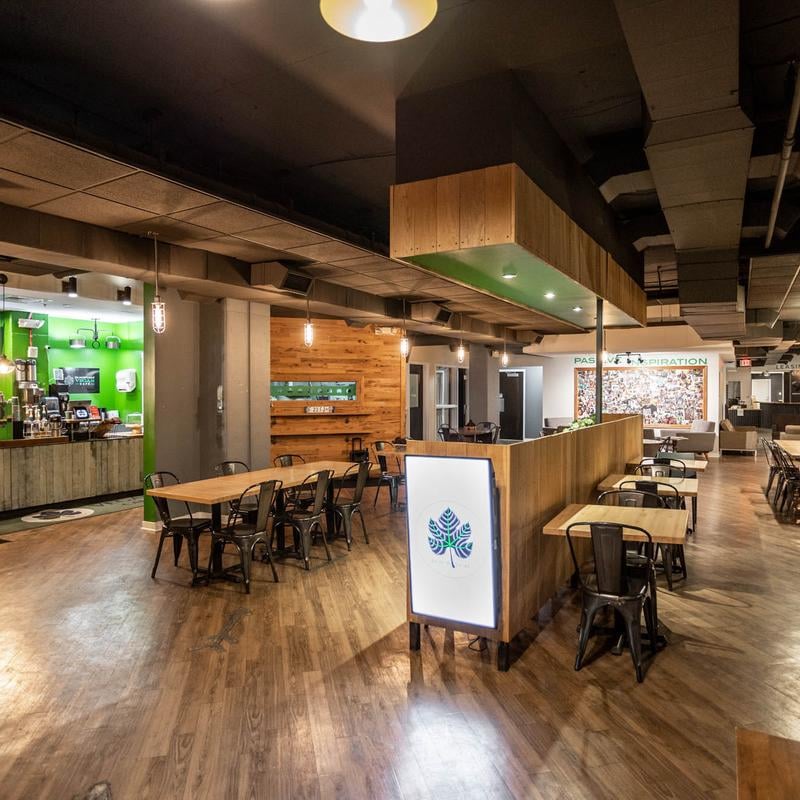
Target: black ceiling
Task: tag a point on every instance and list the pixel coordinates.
(261, 96)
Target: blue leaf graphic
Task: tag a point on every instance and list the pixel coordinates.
(447, 533)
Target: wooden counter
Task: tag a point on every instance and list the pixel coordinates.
(6, 444)
(45, 473)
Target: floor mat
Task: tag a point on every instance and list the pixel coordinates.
(66, 512)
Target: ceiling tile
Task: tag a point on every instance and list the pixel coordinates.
(170, 229)
(95, 210)
(329, 251)
(21, 190)
(61, 164)
(238, 248)
(226, 217)
(151, 193)
(365, 263)
(285, 236)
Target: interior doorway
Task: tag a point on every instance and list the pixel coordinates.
(512, 404)
(416, 406)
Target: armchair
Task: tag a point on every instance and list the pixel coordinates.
(700, 438)
(741, 439)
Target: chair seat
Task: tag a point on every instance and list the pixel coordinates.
(179, 524)
(243, 531)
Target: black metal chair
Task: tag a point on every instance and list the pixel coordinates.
(243, 536)
(628, 590)
(175, 528)
(394, 479)
(487, 432)
(288, 460)
(772, 462)
(305, 521)
(670, 553)
(344, 507)
(244, 507)
(448, 434)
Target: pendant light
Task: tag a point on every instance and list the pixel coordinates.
(124, 296)
(378, 20)
(158, 309)
(405, 345)
(6, 364)
(461, 353)
(69, 287)
(308, 328)
(504, 357)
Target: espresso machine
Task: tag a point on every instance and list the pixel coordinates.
(27, 384)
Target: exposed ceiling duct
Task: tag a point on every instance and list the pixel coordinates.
(698, 145)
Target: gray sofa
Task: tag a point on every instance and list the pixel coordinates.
(700, 438)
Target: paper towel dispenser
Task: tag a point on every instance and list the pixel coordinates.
(126, 380)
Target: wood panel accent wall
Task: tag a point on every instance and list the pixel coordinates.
(502, 205)
(55, 473)
(339, 353)
(537, 479)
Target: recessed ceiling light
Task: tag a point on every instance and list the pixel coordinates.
(509, 272)
(549, 295)
(577, 308)
(378, 20)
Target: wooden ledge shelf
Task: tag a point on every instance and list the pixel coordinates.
(296, 415)
(298, 434)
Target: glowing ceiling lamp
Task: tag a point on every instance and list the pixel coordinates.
(504, 357)
(158, 309)
(308, 327)
(461, 353)
(405, 344)
(378, 20)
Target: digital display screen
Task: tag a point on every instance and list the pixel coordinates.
(453, 555)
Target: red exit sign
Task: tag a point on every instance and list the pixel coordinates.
(745, 362)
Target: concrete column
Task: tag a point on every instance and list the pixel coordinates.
(484, 385)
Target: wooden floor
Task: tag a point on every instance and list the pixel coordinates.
(307, 689)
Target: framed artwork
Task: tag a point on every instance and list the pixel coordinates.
(662, 395)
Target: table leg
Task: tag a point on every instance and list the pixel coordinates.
(216, 526)
(280, 530)
(330, 514)
(503, 656)
(413, 636)
(694, 513)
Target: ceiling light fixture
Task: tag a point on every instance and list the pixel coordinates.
(124, 296)
(378, 20)
(405, 345)
(461, 353)
(158, 309)
(576, 309)
(69, 287)
(77, 342)
(549, 295)
(6, 364)
(509, 272)
(504, 357)
(308, 327)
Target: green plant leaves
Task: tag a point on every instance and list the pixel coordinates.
(448, 534)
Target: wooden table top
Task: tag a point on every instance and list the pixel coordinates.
(685, 486)
(767, 767)
(665, 525)
(210, 491)
(791, 446)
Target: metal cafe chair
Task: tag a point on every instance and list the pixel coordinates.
(670, 554)
(307, 521)
(345, 507)
(288, 460)
(628, 590)
(243, 536)
(487, 432)
(244, 507)
(394, 479)
(175, 528)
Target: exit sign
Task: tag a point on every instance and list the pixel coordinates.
(745, 362)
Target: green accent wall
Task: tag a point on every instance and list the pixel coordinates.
(56, 333)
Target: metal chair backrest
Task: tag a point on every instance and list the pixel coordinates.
(381, 448)
(316, 485)
(231, 468)
(659, 469)
(444, 432)
(487, 432)
(288, 460)
(266, 494)
(361, 472)
(609, 555)
(676, 466)
(772, 460)
(658, 489)
(630, 497)
(158, 480)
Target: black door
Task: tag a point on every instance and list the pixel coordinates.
(415, 406)
(512, 404)
(462, 397)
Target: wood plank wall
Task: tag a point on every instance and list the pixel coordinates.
(339, 353)
(46, 474)
(537, 479)
(501, 205)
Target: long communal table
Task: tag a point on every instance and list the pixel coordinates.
(214, 492)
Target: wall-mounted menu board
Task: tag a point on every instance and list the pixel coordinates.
(662, 395)
(313, 390)
(82, 380)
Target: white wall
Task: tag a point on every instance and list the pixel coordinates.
(559, 380)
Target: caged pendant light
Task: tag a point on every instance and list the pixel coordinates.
(308, 327)
(461, 353)
(405, 345)
(158, 309)
(504, 357)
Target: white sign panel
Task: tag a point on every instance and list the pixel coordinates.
(452, 556)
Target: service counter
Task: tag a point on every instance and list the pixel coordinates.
(772, 416)
(535, 481)
(38, 472)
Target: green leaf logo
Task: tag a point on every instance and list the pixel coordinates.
(447, 533)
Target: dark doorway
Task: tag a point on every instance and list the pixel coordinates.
(415, 401)
(462, 397)
(512, 404)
